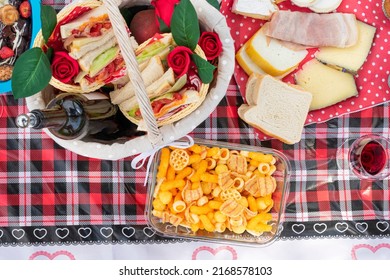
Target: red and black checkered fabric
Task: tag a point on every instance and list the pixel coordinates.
(43, 184)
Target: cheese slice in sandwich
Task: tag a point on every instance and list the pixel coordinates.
(272, 56)
(276, 108)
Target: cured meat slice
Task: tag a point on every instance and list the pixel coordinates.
(314, 30)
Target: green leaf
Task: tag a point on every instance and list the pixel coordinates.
(50, 53)
(31, 73)
(205, 68)
(49, 21)
(214, 3)
(163, 27)
(185, 25)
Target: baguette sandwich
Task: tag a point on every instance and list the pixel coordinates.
(275, 108)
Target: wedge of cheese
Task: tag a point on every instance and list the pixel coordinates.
(274, 57)
(249, 66)
(327, 85)
(352, 58)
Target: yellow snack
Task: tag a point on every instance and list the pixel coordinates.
(239, 184)
(183, 173)
(196, 149)
(264, 168)
(202, 201)
(211, 163)
(165, 197)
(230, 194)
(164, 163)
(237, 163)
(224, 154)
(221, 168)
(194, 227)
(179, 206)
(207, 177)
(231, 208)
(168, 185)
(190, 195)
(158, 205)
(252, 203)
(171, 173)
(195, 158)
(217, 189)
(202, 169)
(219, 217)
(267, 158)
(207, 187)
(225, 181)
(213, 152)
(213, 204)
(207, 223)
(179, 159)
(200, 210)
(220, 227)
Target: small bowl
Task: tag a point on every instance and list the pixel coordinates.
(35, 27)
(282, 175)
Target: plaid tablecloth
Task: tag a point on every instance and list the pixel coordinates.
(48, 194)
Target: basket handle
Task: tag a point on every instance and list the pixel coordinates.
(154, 133)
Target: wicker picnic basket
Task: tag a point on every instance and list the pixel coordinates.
(158, 134)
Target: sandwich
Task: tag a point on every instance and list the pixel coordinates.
(163, 105)
(275, 108)
(91, 41)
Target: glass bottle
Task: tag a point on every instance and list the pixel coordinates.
(73, 116)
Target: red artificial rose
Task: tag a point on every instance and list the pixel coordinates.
(64, 67)
(164, 10)
(210, 44)
(179, 60)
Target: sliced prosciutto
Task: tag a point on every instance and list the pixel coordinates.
(314, 30)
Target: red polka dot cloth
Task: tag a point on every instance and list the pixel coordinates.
(371, 79)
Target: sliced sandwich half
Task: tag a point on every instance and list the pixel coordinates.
(276, 108)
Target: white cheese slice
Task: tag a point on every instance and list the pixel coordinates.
(327, 85)
(261, 9)
(272, 55)
(351, 58)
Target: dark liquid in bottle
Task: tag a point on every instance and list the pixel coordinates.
(373, 157)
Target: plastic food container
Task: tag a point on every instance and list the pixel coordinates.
(281, 174)
(35, 27)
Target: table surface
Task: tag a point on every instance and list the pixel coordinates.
(52, 201)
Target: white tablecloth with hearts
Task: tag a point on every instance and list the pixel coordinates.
(310, 249)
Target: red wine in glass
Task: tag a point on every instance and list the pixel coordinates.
(369, 158)
(373, 157)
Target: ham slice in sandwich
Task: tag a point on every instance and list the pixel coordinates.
(314, 30)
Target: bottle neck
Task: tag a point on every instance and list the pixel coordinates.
(49, 118)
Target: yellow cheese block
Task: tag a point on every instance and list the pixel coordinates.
(273, 56)
(327, 85)
(352, 58)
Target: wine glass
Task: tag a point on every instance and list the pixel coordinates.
(367, 156)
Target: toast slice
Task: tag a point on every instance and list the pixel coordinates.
(276, 109)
